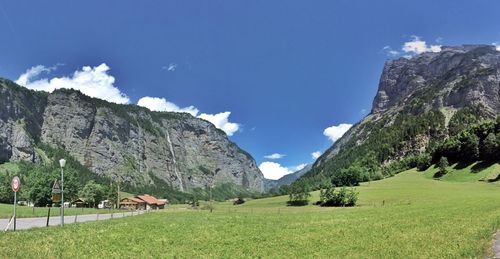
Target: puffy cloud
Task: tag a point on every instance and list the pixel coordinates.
(497, 46)
(275, 156)
(273, 171)
(162, 105)
(299, 167)
(315, 155)
(335, 132)
(221, 121)
(417, 46)
(92, 81)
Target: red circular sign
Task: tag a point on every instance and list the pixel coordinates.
(15, 184)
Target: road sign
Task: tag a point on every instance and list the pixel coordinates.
(15, 184)
(56, 192)
(56, 197)
(56, 188)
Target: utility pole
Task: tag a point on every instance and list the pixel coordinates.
(118, 196)
(62, 163)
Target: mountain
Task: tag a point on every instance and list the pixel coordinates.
(127, 142)
(421, 103)
(286, 179)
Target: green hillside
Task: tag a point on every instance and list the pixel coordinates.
(406, 216)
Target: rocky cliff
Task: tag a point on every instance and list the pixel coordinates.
(416, 101)
(126, 142)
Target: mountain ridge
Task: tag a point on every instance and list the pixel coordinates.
(420, 102)
(122, 141)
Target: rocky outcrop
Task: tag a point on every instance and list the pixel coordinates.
(455, 77)
(442, 82)
(126, 142)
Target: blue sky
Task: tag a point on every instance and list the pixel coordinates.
(273, 74)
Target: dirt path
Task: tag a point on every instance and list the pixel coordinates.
(28, 223)
(496, 245)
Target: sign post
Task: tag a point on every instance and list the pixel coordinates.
(56, 192)
(16, 185)
(56, 197)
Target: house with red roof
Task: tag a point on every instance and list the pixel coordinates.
(142, 202)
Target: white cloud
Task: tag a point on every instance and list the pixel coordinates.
(390, 52)
(171, 67)
(299, 167)
(315, 155)
(418, 46)
(162, 105)
(92, 81)
(273, 171)
(275, 156)
(335, 132)
(497, 46)
(221, 121)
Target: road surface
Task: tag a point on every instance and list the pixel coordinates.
(27, 223)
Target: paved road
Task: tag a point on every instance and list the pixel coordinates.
(27, 223)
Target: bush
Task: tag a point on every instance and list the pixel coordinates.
(299, 195)
(442, 164)
(238, 201)
(423, 162)
(345, 197)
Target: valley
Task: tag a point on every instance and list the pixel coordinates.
(408, 215)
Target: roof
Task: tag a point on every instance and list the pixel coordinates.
(151, 200)
(134, 199)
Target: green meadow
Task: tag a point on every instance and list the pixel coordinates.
(409, 215)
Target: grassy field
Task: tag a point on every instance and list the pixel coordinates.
(467, 173)
(406, 216)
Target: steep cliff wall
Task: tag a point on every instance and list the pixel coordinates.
(415, 102)
(122, 141)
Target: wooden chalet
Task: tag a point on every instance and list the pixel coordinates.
(143, 202)
(132, 203)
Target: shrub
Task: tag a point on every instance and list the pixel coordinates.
(238, 201)
(423, 162)
(442, 164)
(344, 197)
(299, 195)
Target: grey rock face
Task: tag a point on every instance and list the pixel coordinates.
(128, 142)
(454, 77)
(20, 121)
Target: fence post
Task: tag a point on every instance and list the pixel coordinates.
(48, 217)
